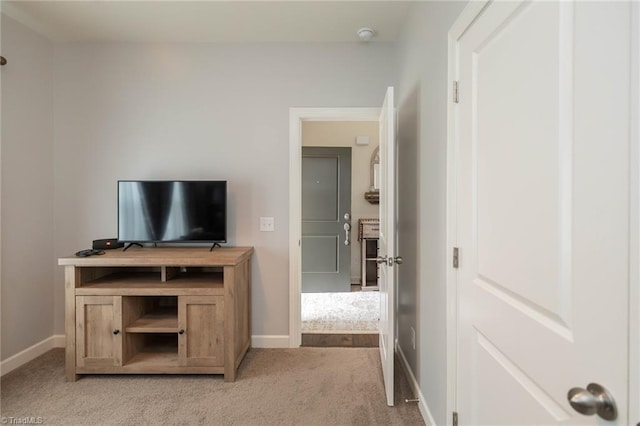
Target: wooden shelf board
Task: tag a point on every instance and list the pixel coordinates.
(191, 278)
(153, 359)
(166, 322)
(125, 290)
(163, 360)
(149, 284)
(164, 256)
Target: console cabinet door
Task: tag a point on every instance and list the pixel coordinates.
(98, 331)
(201, 321)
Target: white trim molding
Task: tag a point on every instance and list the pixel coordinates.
(296, 117)
(58, 341)
(634, 255)
(466, 18)
(266, 341)
(31, 353)
(415, 387)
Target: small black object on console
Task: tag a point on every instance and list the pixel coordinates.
(89, 252)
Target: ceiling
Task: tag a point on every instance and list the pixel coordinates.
(234, 21)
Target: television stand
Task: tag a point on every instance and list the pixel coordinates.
(158, 311)
(214, 246)
(132, 244)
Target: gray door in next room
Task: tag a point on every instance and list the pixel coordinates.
(326, 211)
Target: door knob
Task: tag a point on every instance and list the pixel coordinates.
(593, 400)
(390, 261)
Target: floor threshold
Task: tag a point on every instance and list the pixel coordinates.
(343, 340)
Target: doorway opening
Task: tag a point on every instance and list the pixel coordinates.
(349, 316)
(336, 164)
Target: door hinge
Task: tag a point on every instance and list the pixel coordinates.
(455, 92)
(455, 418)
(456, 257)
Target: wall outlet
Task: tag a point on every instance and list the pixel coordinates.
(267, 224)
(413, 338)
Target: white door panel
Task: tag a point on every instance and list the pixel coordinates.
(386, 280)
(542, 202)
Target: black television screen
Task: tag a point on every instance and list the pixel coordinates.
(172, 211)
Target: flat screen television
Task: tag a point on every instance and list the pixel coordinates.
(172, 211)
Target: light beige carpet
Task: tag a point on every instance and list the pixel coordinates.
(340, 312)
(306, 386)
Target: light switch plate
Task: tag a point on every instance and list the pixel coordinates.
(267, 224)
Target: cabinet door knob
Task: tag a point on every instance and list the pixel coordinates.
(116, 331)
(181, 331)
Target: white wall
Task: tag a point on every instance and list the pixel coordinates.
(197, 111)
(344, 133)
(422, 140)
(26, 188)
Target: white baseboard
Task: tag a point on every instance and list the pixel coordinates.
(422, 404)
(58, 341)
(269, 341)
(21, 358)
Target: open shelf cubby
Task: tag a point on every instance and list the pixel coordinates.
(157, 349)
(150, 314)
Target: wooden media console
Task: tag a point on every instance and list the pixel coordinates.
(158, 311)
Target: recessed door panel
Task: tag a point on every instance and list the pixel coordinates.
(522, 155)
(496, 369)
(98, 331)
(320, 188)
(98, 326)
(320, 254)
(201, 320)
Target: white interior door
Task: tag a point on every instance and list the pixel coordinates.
(542, 210)
(386, 249)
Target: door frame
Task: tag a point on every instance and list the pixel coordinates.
(634, 254)
(460, 26)
(296, 117)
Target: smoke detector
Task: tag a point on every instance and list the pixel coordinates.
(365, 34)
